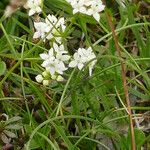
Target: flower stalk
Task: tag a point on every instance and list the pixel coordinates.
(123, 74)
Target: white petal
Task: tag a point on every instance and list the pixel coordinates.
(31, 12)
(36, 35)
(44, 56)
(89, 12)
(61, 20)
(48, 28)
(80, 66)
(63, 27)
(61, 47)
(37, 2)
(73, 64)
(52, 70)
(80, 51)
(61, 66)
(90, 70)
(89, 49)
(58, 40)
(45, 64)
(38, 9)
(55, 46)
(65, 57)
(36, 25)
(75, 11)
(49, 36)
(101, 8)
(76, 56)
(51, 52)
(96, 16)
(83, 10)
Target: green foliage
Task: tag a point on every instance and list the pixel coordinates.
(83, 112)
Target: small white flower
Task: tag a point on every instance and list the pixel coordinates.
(79, 7)
(82, 57)
(39, 78)
(94, 10)
(77, 61)
(58, 48)
(58, 40)
(88, 2)
(56, 67)
(61, 54)
(54, 27)
(54, 60)
(51, 21)
(34, 6)
(51, 29)
(60, 66)
(40, 30)
(48, 58)
(61, 23)
(88, 7)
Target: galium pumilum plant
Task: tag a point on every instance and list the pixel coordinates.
(57, 62)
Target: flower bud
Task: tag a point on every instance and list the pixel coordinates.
(60, 78)
(39, 78)
(45, 82)
(54, 77)
(45, 74)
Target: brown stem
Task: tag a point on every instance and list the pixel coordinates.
(123, 73)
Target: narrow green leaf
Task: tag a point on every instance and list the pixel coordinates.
(2, 68)
(64, 137)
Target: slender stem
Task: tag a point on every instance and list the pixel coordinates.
(123, 73)
(63, 94)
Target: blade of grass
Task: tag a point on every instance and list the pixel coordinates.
(64, 92)
(48, 140)
(10, 43)
(52, 120)
(123, 72)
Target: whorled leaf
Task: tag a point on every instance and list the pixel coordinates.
(10, 134)
(14, 127)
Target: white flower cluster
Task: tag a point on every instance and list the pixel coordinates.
(34, 6)
(50, 28)
(88, 7)
(54, 60)
(57, 60)
(83, 57)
